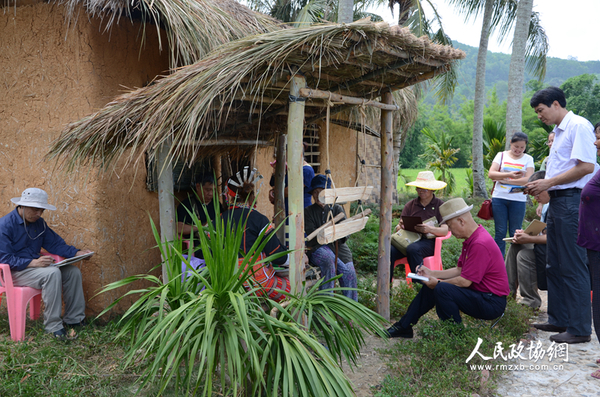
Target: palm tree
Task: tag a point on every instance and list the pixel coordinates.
(529, 39)
(496, 14)
(441, 157)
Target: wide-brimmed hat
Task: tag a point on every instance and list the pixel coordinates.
(453, 208)
(33, 197)
(319, 182)
(426, 180)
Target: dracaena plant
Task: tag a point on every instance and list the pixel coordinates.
(205, 333)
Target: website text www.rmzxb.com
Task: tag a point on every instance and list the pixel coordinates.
(516, 367)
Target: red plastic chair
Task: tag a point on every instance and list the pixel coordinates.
(432, 262)
(17, 299)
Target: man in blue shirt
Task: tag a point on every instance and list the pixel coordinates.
(23, 233)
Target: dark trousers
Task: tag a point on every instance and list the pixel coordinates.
(566, 270)
(594, 258)
(449, 300)
(415, 253)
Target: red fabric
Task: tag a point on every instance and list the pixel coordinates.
(272, 285)
(483, 265)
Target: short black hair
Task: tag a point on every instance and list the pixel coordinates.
(547, 96)
(518, 137)
(203, 179)
(596, 126)
(537, 175)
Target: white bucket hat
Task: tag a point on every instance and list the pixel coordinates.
(426, 180)
(453, 208)
(33, 197)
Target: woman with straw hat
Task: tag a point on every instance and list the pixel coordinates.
(425, 206)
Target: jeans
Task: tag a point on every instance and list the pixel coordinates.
(507, 213)
(324, 257)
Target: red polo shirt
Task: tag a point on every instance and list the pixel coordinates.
(482, 264)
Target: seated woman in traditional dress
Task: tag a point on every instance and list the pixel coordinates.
(240, 192)
(324, 256)
(426, 206)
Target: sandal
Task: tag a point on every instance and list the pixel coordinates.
(596, 374)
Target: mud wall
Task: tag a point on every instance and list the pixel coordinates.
(55, 73)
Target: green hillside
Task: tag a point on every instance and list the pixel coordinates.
(497, 64)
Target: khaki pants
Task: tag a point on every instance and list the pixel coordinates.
(522, 273)
(55, 283)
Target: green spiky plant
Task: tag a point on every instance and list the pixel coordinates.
(206, 333)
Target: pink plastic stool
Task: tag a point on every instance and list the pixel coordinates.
(432, 262)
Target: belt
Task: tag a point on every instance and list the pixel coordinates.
(564, 192)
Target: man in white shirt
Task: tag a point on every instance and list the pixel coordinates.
(570, 167)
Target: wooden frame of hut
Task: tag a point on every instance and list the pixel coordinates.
(258, 88)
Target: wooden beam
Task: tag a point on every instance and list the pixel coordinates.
(295, 183)
(280, 213)
(385, 212)
(229, 141)
(166, 199)
(313, 93)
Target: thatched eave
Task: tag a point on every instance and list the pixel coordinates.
(242, 88)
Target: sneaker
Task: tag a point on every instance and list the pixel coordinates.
(80, 324)
(397, 331)
(63, 336)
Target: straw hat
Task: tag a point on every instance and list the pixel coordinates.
(453, 208)
(426, 180)
(35, 198)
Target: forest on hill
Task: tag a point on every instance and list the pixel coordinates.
(497, 64)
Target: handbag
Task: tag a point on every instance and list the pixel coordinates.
(485, 212)
(403, 238)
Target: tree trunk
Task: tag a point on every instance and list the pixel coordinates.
(478, 171)
(516, 73)
(345, 11)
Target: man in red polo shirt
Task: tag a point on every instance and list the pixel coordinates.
(477, 286)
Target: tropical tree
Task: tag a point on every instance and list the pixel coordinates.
(441, 157)
(203, 333)
(529, 41)
(583, 96)
(494, 138)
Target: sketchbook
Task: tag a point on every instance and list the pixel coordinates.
(70, 261)
(415, 276)
(533, 229)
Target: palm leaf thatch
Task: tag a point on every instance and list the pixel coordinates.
(241, 90)
(193, 27)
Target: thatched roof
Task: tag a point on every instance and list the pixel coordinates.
(193, 27)
(240, 90)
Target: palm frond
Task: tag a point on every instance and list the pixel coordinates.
(537, 48)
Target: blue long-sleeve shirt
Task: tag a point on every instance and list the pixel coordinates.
(18, 249)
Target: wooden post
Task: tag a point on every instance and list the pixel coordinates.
(280, 213)
(385, 216)
(166, 199)
(295, 184)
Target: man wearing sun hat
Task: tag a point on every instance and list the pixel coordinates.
(23, 233)
(477, 286)
(426, 206)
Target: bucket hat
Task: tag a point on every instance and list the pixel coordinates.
(320, 181)
(426, 180)
(35, 198)
(453, 208)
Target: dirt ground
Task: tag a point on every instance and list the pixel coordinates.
(372, 366)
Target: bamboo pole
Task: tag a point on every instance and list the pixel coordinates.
(295, 183)
(337, 218)
(280, 213)
(166, 199)
(385, 214)
(313, 93)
